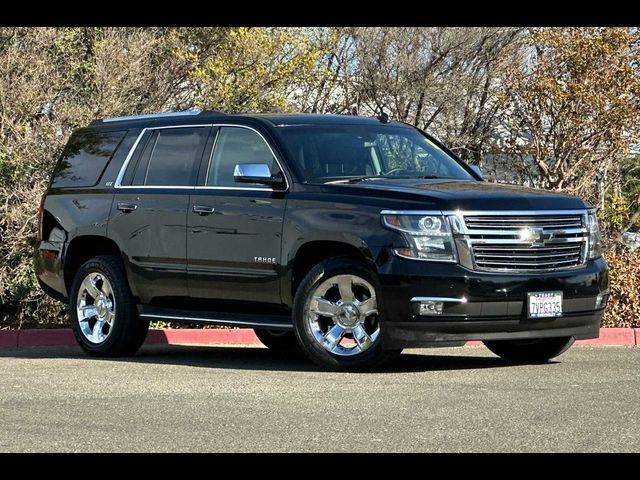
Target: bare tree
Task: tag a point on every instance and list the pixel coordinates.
(442, 79)
(574, 105)
(560, 107)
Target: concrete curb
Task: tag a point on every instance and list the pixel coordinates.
(9, 338)
(614, 336)
(207, 336)
(186, 336)
(45, 337)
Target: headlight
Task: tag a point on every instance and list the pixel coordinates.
(428, 236)
(595, 241)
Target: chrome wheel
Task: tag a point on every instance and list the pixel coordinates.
(342, 314)
(96, 307)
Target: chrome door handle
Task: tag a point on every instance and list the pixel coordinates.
(203, 209)
(127, 207)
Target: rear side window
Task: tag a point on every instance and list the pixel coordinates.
(85, 157)
(170, 157)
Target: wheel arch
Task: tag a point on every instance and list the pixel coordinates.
(81, 249)
(309, 253)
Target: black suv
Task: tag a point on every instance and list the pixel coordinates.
(351, 237)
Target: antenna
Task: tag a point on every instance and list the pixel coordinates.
(383, 117)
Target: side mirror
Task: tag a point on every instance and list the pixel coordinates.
(257, 173)
(477, 170)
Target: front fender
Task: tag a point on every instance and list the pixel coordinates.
(308, 219)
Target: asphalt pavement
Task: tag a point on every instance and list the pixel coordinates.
(241, 399)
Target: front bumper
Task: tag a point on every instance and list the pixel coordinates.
(494, 307)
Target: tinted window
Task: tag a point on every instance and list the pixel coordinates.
(236, 145)
(141, 168)
(85, 157)
(330, 152)
(170, 157)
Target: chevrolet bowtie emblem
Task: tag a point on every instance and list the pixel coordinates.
(537, 236)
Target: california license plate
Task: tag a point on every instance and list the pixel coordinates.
(544, 304)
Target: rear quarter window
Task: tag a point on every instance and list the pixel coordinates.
(85, 157)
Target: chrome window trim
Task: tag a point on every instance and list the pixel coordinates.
(213, 149)
(125, 164)
(118, 183)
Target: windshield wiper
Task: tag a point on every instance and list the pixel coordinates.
(354, 179)
(360, 178)
(425, 177)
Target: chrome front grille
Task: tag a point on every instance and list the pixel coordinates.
(516, 222)
(537, 258)
(521, 241)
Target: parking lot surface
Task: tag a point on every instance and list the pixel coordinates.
(185, 398)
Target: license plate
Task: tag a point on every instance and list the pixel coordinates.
(544, 304)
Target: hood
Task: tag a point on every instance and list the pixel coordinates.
(470, 195)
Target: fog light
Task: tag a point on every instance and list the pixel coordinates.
(601, 300)
(431, 308)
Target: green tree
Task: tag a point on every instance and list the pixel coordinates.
(251, 69)
(53, 80)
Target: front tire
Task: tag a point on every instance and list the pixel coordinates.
(539, 350)
(104, 318)
(336, 316)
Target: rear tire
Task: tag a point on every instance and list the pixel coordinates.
(336, 316)
(278, 340)
(104, 318)
(539, 350)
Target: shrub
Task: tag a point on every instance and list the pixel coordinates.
(624, 301)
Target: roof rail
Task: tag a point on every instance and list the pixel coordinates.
(147, 115)
(153, 115)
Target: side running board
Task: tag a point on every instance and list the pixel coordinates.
(242, 320)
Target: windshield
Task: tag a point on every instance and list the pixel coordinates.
(334, 152)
